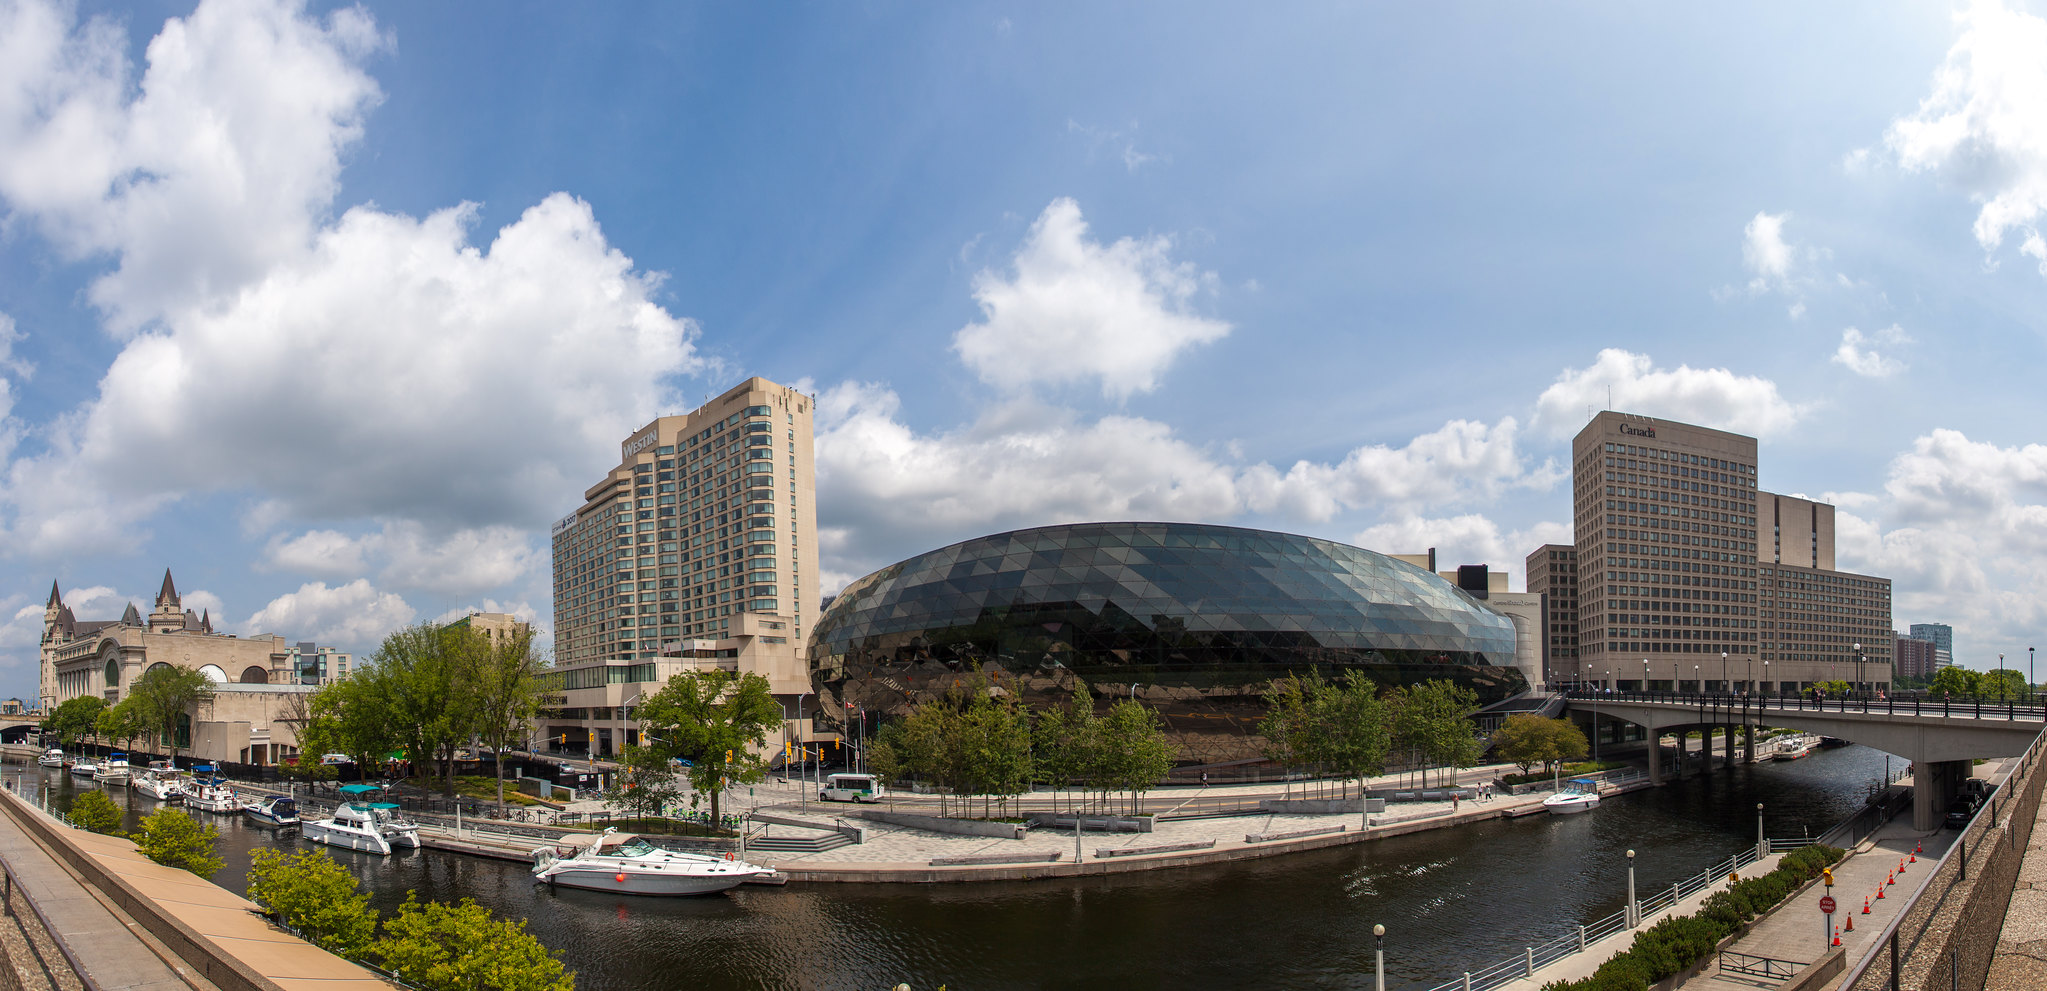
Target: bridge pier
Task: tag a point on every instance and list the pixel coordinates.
(1748, 743)
(1934, 785)
(1655, 758)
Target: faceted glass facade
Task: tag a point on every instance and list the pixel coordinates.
(1171, 610)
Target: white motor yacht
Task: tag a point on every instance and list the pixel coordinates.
(85, 767)
(629, 864)
(207, 791)
(1582, 794)
(114, 770)
(371, 827)
(161, 781)
(1795, 747)
(273, 810)
(53, 757)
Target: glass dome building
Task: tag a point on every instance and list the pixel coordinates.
(1187, 616)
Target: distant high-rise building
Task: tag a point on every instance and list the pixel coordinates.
(1942, 637)
(1553, 574)
(1913, 657)
(1674, 574)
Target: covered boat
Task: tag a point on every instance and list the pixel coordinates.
(53, 757)
(358, 824)
(207, 791)
(1580, 795)
(629, 864)
(274, 810)
(114, 770)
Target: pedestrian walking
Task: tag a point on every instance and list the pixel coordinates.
(1204, 779)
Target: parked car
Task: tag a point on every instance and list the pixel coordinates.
(336, 759)
(1959, 812)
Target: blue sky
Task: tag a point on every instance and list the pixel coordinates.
(333, 309)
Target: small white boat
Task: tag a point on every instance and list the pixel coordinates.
(86, 767)
(1583, 794)
(161, 781)
(209, 792)
(629, 864)
(370, 827)
(275, 810)
(1794, 748)
(53, 757)
(114, 770)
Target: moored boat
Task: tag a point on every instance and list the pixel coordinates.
(161, 781)
(85, 767)
(53, 757)
(1794, 748)
(207, 791)
(629, 864)
(114, 770)
(274, 810)
(1582, 794)
(370, 827)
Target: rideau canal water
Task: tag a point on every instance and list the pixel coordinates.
(1451, 900)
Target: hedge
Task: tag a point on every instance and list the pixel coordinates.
(1675, 944)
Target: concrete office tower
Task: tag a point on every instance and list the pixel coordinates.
(1942, 636)
(1553, 574)
(698, 550)
(1913, 657)
(1678, 589)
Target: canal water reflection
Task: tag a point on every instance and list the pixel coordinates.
(1451, 900)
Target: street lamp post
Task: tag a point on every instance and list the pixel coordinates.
(1645, 675)
(1858, 668)
(1762, 845)
(1379, 958)
(1724, 686)
(2000, 677)
(2029, 675)
(1634, 911)
(1766, 674)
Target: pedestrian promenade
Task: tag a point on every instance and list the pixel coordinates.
(2021, 960)
(118, 951)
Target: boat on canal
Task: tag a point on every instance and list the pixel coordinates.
(629, 864)
(114, 770)
(274, 810)
(209, 792)
(53, 757)
(1795, 747)
(1581, 795)
(85, 767)
(357, 824)
(161, 781)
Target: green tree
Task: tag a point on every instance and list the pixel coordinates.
(123, 721)
(1063, 740)
(1431, 720)
(174, 839)
(2002, 683)
(995, 747)
(316, 897)
(503, 688)
(716, 719)
(1353, 723)
(413, 681)
(1833, 689)
(1135, 752)
(1289, 726)
(465, 948)
(1954, 682)
(352, 716)
(95, 812)
(1526, 740)
(74, 718)
(162, 695)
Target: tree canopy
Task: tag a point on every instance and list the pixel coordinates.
(1527, 739)
(717, 720)
(73, 718)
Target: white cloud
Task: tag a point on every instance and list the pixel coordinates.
(462, 562)
(376, 362)
(353, 615)
(1471, 538)
(1984, 125)
(10, 430)
(200, 600)
(1622, 380)
(1961, 529)
(1856, 355)
(1764, 252)
(1075, 311)
(884, 486)
(219, 161)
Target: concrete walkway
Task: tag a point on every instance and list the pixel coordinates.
(119, 952)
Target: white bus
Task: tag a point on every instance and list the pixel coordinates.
(850, 788)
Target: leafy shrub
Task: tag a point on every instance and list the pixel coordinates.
(464, 947)
(96, 812)
(174, 839)
(315, 896)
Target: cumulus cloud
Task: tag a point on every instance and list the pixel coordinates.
(1984, 125)
(1764, 252)
(375, 360)
(10, 431)
(1072, 310)
(1961, 529)
(883, 485)
(1857, 355)
(463, 562)
(1622, 380)
(217, 162)
(355, 614)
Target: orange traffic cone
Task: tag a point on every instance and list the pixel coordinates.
(1918, 848)
(1879, 892)
(1865, 905)
(1914, 858)
(1893, 879)
(1837, 937)
(1850, 927)
(1901, 865)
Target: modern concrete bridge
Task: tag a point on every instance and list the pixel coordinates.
(1940, 737)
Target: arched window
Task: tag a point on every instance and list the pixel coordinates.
(255, 676)
(113, 673)
(158, 665)
(213, 673)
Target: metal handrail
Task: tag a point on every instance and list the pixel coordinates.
(1755, 966)
(1732, 703)
(1890, 936)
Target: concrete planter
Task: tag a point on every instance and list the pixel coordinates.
(1322, 806)
(940, 824)
(1092, 824)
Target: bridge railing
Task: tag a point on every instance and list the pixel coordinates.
(1734, 705)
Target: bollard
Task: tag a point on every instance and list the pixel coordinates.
(1531, 963)
(1581, 939)
(1467, 980)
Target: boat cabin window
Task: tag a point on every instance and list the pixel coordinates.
(635, 847)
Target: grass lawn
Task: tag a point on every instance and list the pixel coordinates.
(485, 789)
